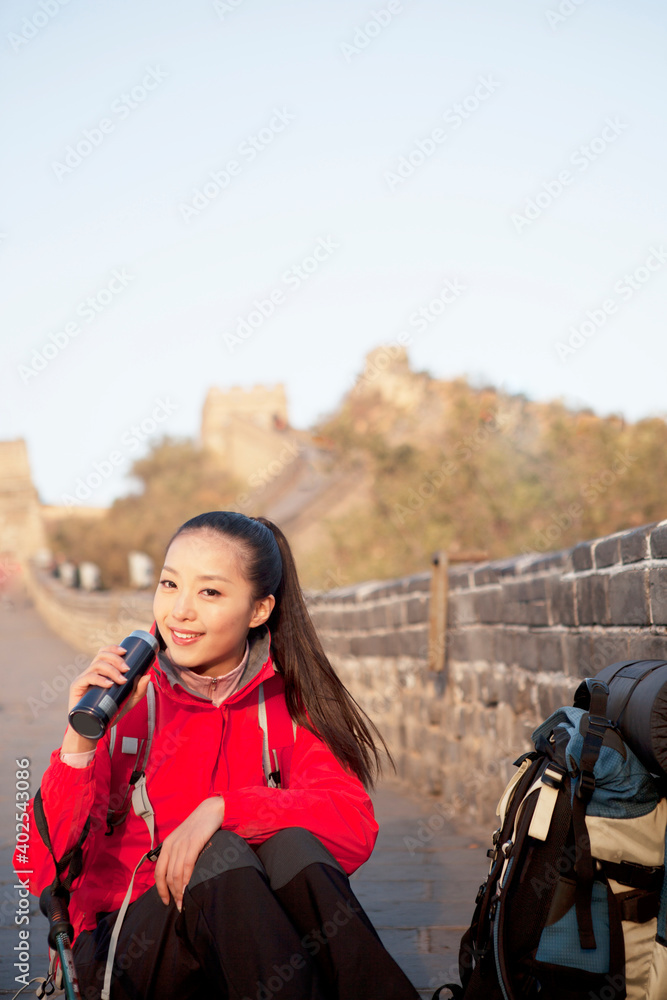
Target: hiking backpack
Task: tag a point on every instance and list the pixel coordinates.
(575, 903)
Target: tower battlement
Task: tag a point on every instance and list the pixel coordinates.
(21, 528)
(242, 426)
(264, 406)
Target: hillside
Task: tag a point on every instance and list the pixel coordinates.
(407, 464)
(456, 467)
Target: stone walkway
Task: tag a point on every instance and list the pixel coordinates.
(420, 898)
(417, 891)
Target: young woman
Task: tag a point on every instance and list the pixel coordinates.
(249, 897)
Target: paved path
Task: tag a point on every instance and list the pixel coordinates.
(420, 898)
(417, 891)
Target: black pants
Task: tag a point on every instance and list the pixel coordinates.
(278, 922)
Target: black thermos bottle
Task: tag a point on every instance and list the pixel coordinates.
(91, 716)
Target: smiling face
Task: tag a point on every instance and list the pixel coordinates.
(203, 604)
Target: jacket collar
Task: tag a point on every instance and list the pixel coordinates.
(259, 667)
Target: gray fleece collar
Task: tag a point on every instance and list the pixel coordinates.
(259, 641)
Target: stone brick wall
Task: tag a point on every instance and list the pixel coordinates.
(521, 634)
(87, 621)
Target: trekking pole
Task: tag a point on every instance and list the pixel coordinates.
(53, 904)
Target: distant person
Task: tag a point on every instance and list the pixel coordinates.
(249, 898)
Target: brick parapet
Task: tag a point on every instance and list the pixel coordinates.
(87, 621)
(521, 634)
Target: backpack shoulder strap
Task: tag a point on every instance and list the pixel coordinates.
(135, 795)
(584, 867)
(278, 731)
(72, 860)
(130, 743)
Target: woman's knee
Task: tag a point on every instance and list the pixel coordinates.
(295, 835)
(225, 852)
(288, 852)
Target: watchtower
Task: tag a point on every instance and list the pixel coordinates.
(21, 528)
(244, 427)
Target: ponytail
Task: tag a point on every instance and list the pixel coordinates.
(316, 698)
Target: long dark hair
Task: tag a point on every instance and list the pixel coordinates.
(316, 697)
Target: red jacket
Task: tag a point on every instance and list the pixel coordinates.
(198, 750)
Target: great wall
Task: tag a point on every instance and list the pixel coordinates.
(519, 635)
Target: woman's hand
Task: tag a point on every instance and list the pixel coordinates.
(183, 846)
(108, 667)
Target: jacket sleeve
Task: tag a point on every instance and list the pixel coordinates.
(323, 797)
(68, 796)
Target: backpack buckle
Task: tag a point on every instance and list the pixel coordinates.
(155, 853)
(585, 784)
(553, 775)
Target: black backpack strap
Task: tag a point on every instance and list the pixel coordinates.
(645, 877)
(117, 816)
(476, 947)
(584, 866)
(518, 895)
(72, 860)
(615, 909)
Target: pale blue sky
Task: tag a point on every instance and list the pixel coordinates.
(346, 119)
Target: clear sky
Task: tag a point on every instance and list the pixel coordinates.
(370, 158)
